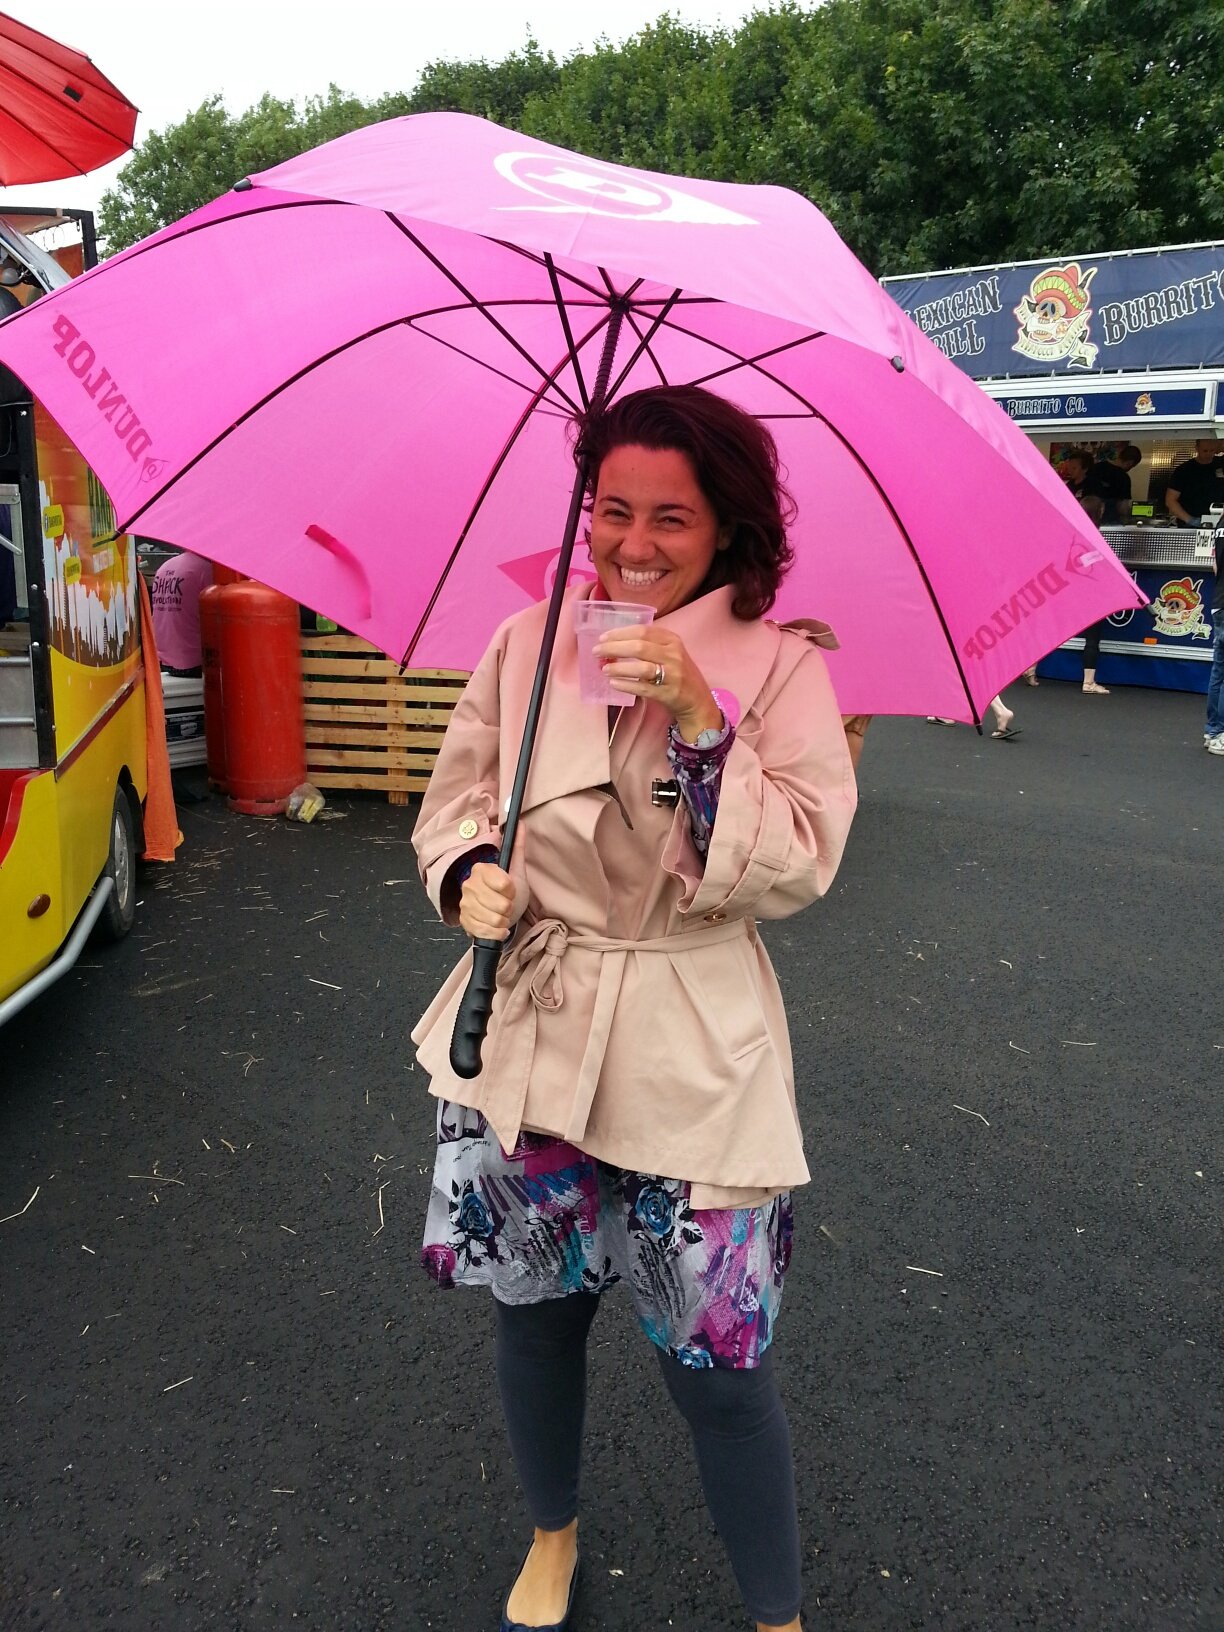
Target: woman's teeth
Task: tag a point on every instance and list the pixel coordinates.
(639, 580)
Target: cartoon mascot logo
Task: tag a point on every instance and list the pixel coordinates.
(1178, 610)
(1054, 317)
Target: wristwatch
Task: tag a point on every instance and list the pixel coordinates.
(710, 737)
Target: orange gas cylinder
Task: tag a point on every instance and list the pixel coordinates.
(261, 697)
(211, 601)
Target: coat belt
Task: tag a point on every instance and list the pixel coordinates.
(531, 971)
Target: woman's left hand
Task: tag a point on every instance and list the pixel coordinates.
(643, 661)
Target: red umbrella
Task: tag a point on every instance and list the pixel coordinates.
(58, 115)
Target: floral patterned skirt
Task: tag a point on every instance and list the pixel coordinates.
(546, 1219)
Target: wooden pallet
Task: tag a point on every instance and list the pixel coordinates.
(367, 725)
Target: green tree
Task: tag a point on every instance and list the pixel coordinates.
(954, 131)
(932, 132)
(182, 167)
(499, 91)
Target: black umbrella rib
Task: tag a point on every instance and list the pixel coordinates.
(608, 292)
(564, 406)
(476, 304)
(494, 472)
(567, 331)
(308, 368)
(754, 361)
(643, 346)
(623, 296)
(741, 361)
(541, 260)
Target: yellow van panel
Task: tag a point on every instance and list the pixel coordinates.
(62, 841)
(32, 868)
(86, 789)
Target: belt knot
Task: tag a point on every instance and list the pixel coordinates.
(542, 945)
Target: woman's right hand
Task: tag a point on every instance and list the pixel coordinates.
(486, 902)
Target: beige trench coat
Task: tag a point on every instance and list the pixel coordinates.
(637, 1014)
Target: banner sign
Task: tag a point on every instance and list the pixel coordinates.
(1150, 309)
(1180, 403)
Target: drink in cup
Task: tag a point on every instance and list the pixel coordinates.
(593, 619)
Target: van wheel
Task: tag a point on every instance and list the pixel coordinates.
(119, 913)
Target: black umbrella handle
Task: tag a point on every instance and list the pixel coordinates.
(472, 1021)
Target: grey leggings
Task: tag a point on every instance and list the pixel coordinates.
(736, 1419)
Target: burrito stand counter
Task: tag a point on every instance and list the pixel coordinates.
(1169, 644)
(1100, 352)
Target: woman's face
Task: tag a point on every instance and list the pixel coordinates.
(653, 531)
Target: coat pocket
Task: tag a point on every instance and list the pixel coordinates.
(727, 975)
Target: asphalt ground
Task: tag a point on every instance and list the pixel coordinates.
(231, 1400)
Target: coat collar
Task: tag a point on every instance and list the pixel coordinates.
(571, 752)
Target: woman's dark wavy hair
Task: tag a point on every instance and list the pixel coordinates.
(735, 460)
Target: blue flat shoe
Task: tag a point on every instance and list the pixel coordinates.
(507, 1625)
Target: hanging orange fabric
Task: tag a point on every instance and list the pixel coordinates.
(161, 829)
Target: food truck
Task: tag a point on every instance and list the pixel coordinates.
(1100, 353)
(73, 756)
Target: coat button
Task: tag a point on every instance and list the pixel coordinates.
(715, 917)
(468, 829)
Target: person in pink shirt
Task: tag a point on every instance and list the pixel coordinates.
(175, 593)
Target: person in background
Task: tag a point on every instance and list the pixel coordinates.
(1110, 480)
(1213, 736)
(1074, 470)
(1196, 484)
(1004, 730)
(1093, 507)
(175, 594)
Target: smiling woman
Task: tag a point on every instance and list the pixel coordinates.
(653, 533)
(635, 1114)
(723, 469)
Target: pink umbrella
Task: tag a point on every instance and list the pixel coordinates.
(351, 378)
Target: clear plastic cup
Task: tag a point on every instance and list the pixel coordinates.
(591, 620)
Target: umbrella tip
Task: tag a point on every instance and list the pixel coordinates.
(243, 186)
(897, 362)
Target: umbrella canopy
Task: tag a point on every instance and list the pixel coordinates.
(351, 377)
(58, 115)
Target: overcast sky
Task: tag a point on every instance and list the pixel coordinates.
(167, 56)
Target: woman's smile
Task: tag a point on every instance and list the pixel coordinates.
(654, 533)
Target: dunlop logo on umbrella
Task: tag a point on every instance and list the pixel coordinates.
(101, 389)
(572, 186)
(1014, 611)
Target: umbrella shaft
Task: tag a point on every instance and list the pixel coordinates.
(603, 374)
